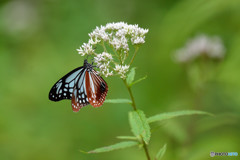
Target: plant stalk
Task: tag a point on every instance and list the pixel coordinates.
(131, 95)
(145, 149)
(134, 55)
(135, 109)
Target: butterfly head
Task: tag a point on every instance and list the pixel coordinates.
(87, 65)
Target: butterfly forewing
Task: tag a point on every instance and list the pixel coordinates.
(63, 88)
(96, 88)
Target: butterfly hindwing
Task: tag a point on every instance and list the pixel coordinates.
(63, 88)
(97, 88)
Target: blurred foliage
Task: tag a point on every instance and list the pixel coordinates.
(37, 46)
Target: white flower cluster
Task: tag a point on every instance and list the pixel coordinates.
(121, 70)
(86, 49)
(211, 47)
(103, 61)
(117, 36)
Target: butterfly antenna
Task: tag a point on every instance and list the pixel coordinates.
(92, 61)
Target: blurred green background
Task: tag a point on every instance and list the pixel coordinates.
(38, 42)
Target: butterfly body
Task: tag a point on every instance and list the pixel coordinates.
(82, 85)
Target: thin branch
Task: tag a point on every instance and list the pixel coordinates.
(105, 49)
(131, 95)
(134, 55)
(145, 149)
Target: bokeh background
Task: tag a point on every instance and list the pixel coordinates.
(38, 42)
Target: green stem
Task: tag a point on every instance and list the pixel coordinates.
(131, 95)
(135, 109)
(118, 55)
(105, 49)
(134, 55)
(145, 149)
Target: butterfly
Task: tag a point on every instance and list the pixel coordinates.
(82, 85)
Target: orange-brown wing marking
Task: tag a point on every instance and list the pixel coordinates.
(78, 100)
(96, 88)
(75, 105)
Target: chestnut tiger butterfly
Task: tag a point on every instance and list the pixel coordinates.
(82, 85)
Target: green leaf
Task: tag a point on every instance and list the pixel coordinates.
(127, 137)
(118, 101)
(116, 146)
(161, 152)
(170, 115)
(139, 125)
(130, 76)
(137, 81)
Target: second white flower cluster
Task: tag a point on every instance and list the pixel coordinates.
(202, 45)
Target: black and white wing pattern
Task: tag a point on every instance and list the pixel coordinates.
(64, 87)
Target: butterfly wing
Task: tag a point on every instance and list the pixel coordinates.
(82, 86)
(79, 98)
(96, 89)
(64, 87)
